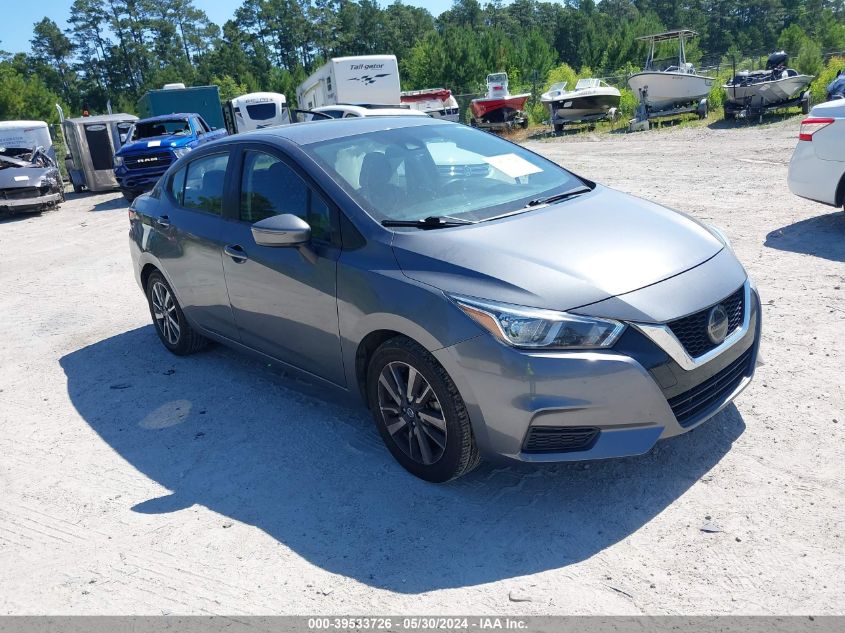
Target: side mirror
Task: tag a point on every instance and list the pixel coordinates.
(281, 230)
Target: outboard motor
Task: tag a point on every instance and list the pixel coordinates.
(777, 60)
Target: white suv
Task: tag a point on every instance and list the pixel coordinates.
(817, 168)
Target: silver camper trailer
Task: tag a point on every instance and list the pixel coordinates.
(91, 144)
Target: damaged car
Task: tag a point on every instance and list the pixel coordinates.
(29, 180)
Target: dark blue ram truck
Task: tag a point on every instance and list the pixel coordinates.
(153, 144)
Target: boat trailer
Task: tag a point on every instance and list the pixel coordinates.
(644, 114)
(749, 108)
(502, 119)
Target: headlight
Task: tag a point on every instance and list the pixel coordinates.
(118, 161)
(534, 328)
(181, 151)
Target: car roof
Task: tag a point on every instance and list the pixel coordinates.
(316, 131)
(370, 111)
(168, 117)
(105, 118)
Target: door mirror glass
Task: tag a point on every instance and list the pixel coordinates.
(281, 230)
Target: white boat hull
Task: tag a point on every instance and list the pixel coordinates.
(767, 93)
(581, 105)
(667, 90)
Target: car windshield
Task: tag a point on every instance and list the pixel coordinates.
(413, 173)
(162, 127)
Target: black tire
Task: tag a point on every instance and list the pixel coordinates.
(558, 128)
(460, 453)
(187, 340)
(77, 188)
(129, 196)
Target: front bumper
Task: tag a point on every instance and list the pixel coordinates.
(36, 201)
(628, 394)
(137, 180)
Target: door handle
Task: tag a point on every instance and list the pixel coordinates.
(163, 220)
(236, 252)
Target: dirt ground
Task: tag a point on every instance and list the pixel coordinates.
(132, 481)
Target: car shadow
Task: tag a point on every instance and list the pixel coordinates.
(221, 430)
(7, 217)
(111, 205)
(821, 236)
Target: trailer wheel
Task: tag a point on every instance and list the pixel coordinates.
(558, 128)
(805, 103)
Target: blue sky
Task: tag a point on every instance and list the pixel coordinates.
(18, 20)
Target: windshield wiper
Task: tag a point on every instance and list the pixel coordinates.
(571, 193)
(431, 222)
(541, 202)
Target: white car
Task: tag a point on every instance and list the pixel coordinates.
(817, 168)
(344, 111)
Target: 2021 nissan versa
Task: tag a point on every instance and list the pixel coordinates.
(482, 301)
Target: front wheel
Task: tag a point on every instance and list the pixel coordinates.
(419, 413)
(172, 328)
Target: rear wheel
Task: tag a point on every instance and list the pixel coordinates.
(419, 412)
(172, 328)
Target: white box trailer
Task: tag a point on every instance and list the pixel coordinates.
(364, 79)
(254, 111)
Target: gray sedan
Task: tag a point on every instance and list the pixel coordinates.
(478, 298)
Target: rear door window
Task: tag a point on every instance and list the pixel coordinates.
(205, 179)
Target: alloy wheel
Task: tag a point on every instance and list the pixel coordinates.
(412, 413)
(164, 312)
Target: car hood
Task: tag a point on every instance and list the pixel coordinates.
(13, 177)
(561, 257)
(144, 144)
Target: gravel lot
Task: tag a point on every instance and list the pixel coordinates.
(132, 481)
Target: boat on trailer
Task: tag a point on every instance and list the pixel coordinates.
(752, 93)
(499, 110)
(669, 87)
(591, 100)
(436, 102)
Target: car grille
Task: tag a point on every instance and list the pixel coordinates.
(691, 330)
(560, 439)
(463, 171)
(710, 394)
(23, 193)
(159, 159)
